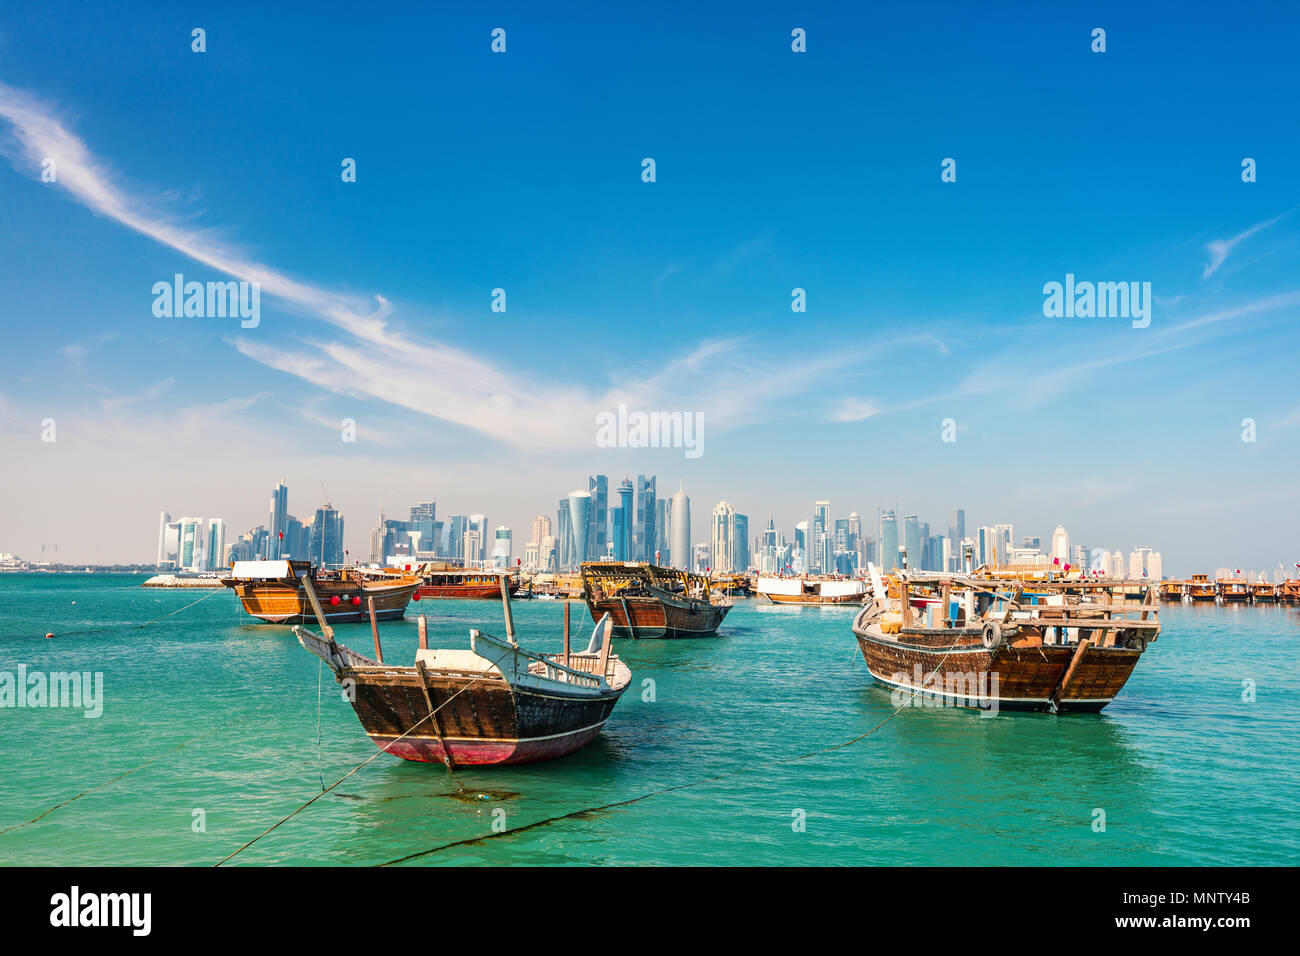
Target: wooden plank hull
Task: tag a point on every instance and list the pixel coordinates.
(647, 617)
(481, 722)
(814, 599)
(464, 592)
(1017, 677)
(276, 602)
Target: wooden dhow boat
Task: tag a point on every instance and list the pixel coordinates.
(1233, 591)
(811, 590)
(1173, 591)
(989, 647)
(1261, 592)
(466, 584)
(646, 601)
(274, 592)
(495, 703)
(1201, 589)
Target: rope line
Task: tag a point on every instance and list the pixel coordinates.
(376, 754)
(119, 627)
(127, 773)
(483, 838)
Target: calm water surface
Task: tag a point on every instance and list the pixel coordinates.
(210, 712)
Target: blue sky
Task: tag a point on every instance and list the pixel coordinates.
(775, 170)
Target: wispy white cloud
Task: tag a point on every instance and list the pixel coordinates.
(377, 361)
(1220, 249)
(854, 410)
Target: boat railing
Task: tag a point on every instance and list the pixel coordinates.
(539, 665)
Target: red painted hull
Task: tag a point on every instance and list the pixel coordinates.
(470, 752)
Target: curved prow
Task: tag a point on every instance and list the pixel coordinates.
(600, 634)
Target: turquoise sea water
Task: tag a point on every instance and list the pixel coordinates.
(210, 712)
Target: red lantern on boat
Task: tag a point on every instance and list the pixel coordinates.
(356, 600)
(334, 599)
(415, 596)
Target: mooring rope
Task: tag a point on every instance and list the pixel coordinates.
(483, 838)
(126, 773)
(377, 753)
(128, 624)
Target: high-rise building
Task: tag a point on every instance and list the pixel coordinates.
(681, 530)
(956, 534)
(541, 528)
(1061, 544)
(1155, 566)
(471, 547)
(912, 541)
(278, 524)
(563, 533)
(533, 556)
(888, 540)
(598, 519)
(740, 550)
(325, 538)
(663, 522)
(799, 555)
(164, 519)
(502, 549)
(623, 522)
(1005, 535)
(547, 554)
(190, 554)
(479, 523)
(722, 535)
(644, 534)
(579, 503)
(216, 547)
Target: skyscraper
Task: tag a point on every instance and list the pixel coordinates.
(1061, 544)
(278, 523)
(681, 530)
(888, 540)
(580, 518)
(164, 519)
(799, 558)
(598, 518)
(624, 521)
(740, 550)
(956, 535)
(479, 524)
(541, 528)
(216, 548)
(912, 541)
(325, 538)
(663, 521)
(502, 548)
(646, 511)
(722, 537)
(189, 557)
(564, 534)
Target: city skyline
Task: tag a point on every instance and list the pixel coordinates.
(924, 317)
(732, 543)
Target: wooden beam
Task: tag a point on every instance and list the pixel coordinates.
(1070, 672)
(433, 714)
(566, 632)
(423, 625)
(505, 604)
